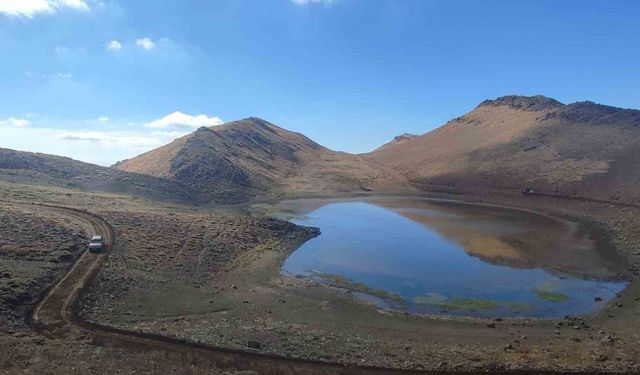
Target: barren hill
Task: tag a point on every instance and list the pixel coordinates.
(51, 170)
(240, 159)
(397, 140)
(516, 141)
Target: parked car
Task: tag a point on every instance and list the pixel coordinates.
(96, 244)
(527, 191)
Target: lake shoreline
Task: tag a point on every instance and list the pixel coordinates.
(294, 317)
(455, 258)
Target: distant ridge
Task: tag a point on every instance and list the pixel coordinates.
(252, 157)
(510, 142)
(515, 141)
(52, 170)
(397, 140)
(525, 103)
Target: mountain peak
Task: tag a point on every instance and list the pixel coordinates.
(588, 111)
(241, 159)
(397, 140)
(524, 103)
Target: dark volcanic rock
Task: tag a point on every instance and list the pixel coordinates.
(596, 113)
(525, 103)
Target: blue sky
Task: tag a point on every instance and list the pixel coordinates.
(103, 80)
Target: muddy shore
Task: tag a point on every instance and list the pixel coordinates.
(246, 303)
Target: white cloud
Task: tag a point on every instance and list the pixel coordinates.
(111, 138)
(15, 122)
(183, 120)
(145, 43)
(103, 119)
(29, 8)
(98, 147)
(44, 76)
(307, 2)
(76, 4)
(113, 45)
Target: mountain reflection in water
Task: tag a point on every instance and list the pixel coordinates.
(431, 257)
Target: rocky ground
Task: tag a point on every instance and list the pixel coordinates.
(214, 277)
(31, 353)
(200, 287)
(35, 250)
(37, 247)
(173, 265)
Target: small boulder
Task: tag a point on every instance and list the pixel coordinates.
(253, 344)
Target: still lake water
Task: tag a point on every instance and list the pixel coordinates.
(437, 257)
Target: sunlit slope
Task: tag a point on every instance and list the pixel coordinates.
(514, 141)
(250, 157)
(51, 170)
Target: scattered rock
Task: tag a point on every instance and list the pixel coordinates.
(608, 340)
(253, 344)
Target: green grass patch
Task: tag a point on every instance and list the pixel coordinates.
(550, 296)
(472, 304)
(432, 299)
(435, 299)
(518, 306)
(345, 283)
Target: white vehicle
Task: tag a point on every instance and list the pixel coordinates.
(96, 244)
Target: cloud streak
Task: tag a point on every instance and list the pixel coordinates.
(184, 121)
(15, 122)
(308, 2)
(145, 43)
(98, 147)
(30, 8)
(113, 45)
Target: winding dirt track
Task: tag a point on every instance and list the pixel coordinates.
(56, 315)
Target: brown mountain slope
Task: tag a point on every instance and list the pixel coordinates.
(514, 141)
(51, 170)
(242, 159)
(396, 141)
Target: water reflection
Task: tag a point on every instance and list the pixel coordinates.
(440, 257)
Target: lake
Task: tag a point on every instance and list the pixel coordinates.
(440, 257)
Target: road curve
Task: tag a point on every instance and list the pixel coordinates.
(57, 315)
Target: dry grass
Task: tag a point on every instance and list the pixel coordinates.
(501, 146)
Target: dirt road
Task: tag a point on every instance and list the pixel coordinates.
(56, 315)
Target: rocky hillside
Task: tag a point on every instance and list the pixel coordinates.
(242, 159)
(511, 142)
(396, 141)
(51, 170)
